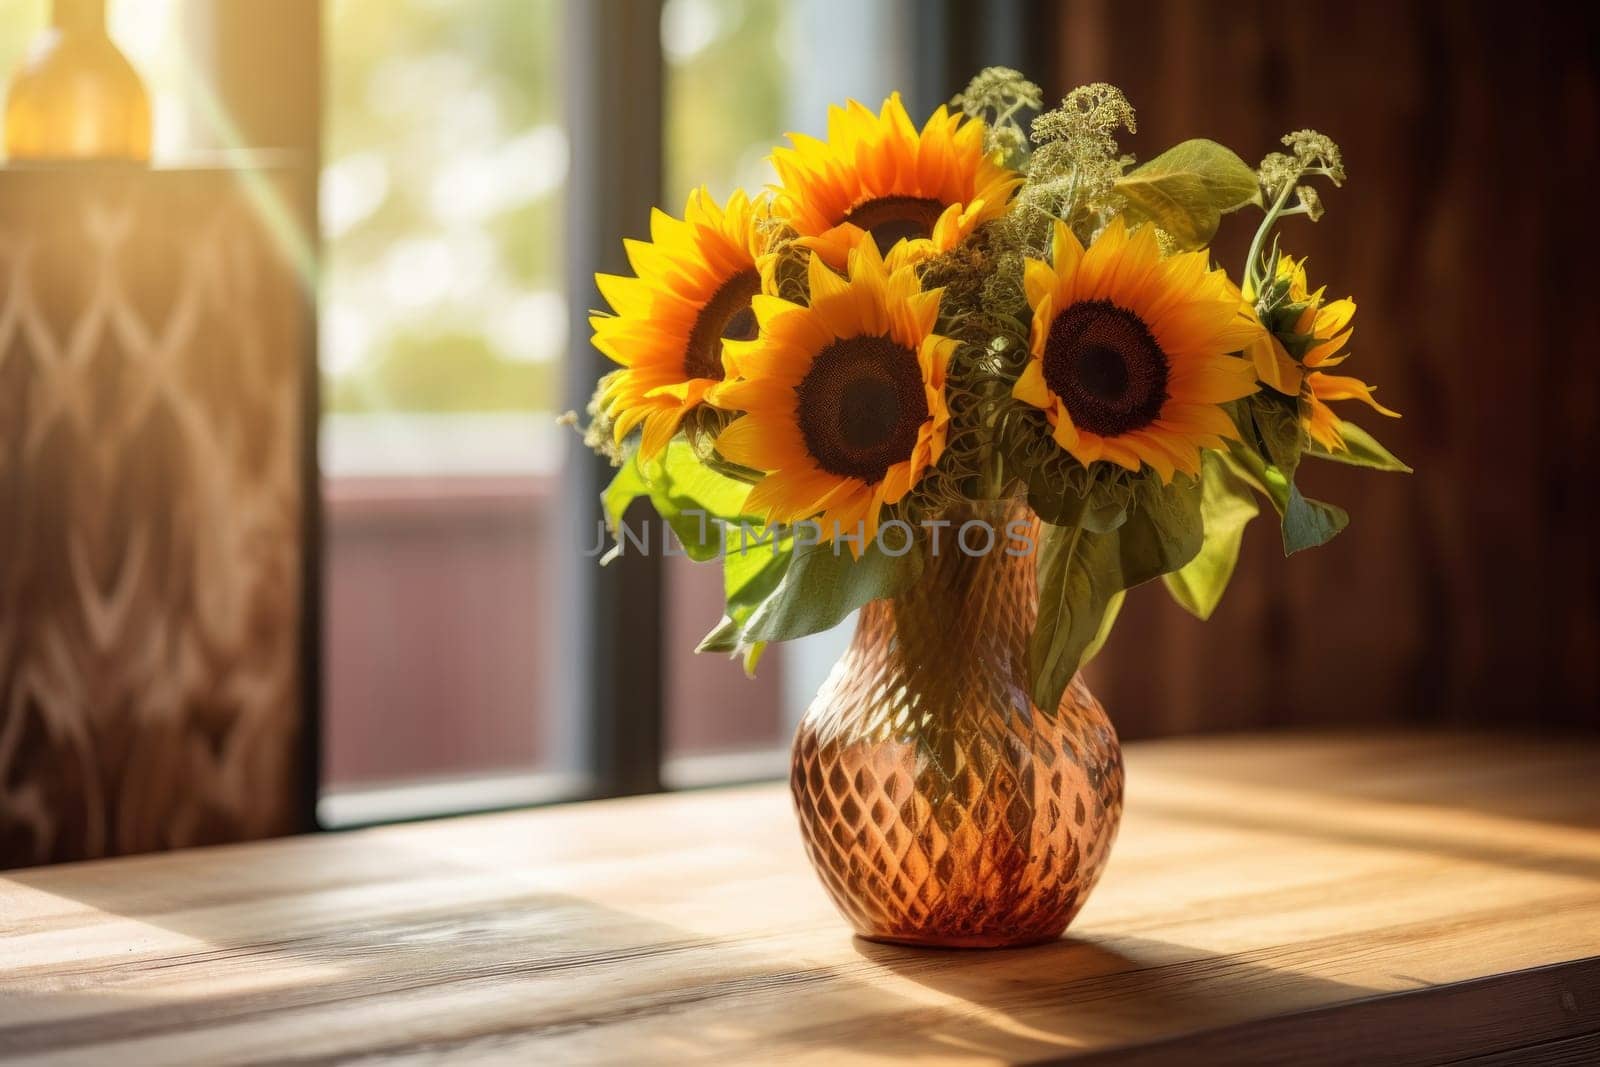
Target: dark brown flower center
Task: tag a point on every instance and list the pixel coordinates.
(726, 316)
(891, 219)
(1103, 363)
(860, 406)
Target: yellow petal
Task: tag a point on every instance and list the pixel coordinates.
(627, 296)
(658, 431)
(1065, 251)
(1151, 450)
(832, 299)
(628, 420)
(757, 443)
(1038, 281)
(1343, 387)
(1120, 454)
(1067, 436)
(897, 481)
(1213, 381)
(1197, 418)
(1323, 425)
(760, 394)
(1273, 365)
(1030, 387)
(1334, 317)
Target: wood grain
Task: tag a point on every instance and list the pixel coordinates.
(1402, 898)
(1466, 594)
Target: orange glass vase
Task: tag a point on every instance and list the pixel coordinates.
(940, 806)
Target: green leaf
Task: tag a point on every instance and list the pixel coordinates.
(1278, 426)
(751, 570)
(1361, 450)
(1310, 523)
(684, 491)
(691, 497)
(1305, 523)
(823, 584)
(1247, 463)
(1187, 189)
(1080, 572)
(1107, 508)
(1113, 609)
(1226, 508)
(1164, 530)
(687, 482)
(625, 486)
(1102, 509)
(724, 637)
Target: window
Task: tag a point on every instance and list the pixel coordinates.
(443, 327)
(444, 331)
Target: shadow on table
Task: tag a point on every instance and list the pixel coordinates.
(1058, 999)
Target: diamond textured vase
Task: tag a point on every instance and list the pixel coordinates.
(940, 806)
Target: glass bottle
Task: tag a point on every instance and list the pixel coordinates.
(76, 97)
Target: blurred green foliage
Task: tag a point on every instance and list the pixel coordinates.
(726, 100)
(444, 160)
(457, 106)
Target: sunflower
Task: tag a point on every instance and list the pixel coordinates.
(1129, 350)
(696, 278)
(1321, 329)
(844, 400)
(876, 174)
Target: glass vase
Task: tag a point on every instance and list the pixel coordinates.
(939, 806)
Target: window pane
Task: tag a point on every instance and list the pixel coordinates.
(443, 324)
(444, 161)
(740, 73)
(726, 90)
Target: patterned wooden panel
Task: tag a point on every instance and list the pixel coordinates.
(152, 340)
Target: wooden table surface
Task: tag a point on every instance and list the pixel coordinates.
(1396, 898)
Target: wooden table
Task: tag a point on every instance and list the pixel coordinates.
(1396, 898)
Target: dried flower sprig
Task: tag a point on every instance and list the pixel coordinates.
(1311, 154)
(995, 96)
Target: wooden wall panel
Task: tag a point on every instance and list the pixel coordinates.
(1467, 233)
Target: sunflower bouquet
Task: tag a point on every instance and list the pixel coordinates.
(913, 327)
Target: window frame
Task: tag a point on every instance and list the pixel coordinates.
(613, 670)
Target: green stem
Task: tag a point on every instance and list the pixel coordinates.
(1071, 205)
(1252, 264)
